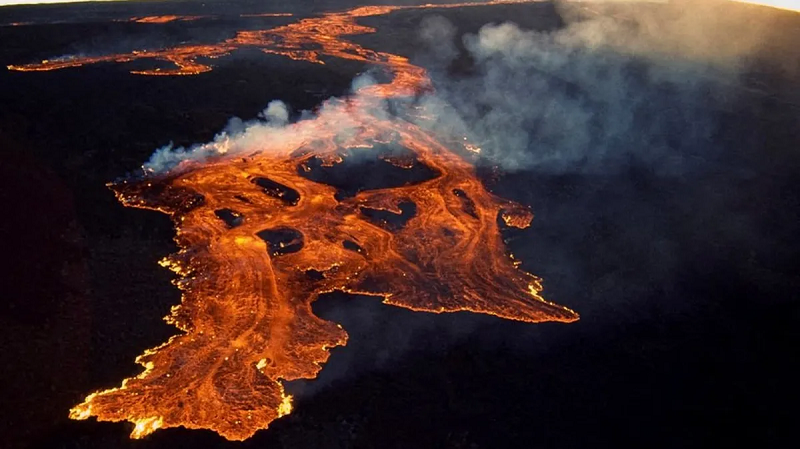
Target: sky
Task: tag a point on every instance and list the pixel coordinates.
(793, 5)
(783, 4)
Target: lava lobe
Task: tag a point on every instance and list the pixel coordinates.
(262, 237)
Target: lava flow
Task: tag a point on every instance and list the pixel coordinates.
(305, 40)
(164, 19)
(263, 230)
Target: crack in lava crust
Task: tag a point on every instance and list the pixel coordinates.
(260, 241)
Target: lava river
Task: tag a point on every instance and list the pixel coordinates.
(262, 235)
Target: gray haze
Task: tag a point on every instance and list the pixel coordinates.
(630, 133)
(596, 95)
(627, 135)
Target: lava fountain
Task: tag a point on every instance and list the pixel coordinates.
(262, 235)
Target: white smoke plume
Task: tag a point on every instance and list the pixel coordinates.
(637, 84)
(271, 130)
(614, 86)
(648, 85)
(233, 139)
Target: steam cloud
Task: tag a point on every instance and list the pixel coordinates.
(647, 87)
(596, 95)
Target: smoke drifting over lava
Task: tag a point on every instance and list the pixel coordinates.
(609, 89)
(262, 234)
(264, 229)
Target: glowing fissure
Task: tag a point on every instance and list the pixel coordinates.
(260, 240)
(295, 41)
(164, 19)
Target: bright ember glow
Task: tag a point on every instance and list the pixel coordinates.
(164, 19)
(305, 40)
(261, 238)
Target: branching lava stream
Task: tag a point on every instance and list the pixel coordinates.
(261, 238)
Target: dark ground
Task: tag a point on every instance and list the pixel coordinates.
(688, 334)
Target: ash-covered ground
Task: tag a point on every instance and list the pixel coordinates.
(663, 183)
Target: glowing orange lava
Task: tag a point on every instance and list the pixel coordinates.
(261, 238)
(269, 14)
(164, 19)
(299, 41)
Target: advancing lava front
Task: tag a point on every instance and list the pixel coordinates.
(261, 238)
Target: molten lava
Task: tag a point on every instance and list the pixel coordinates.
(164, 19)
(269, 14)
(306, 40)
(261, 236)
